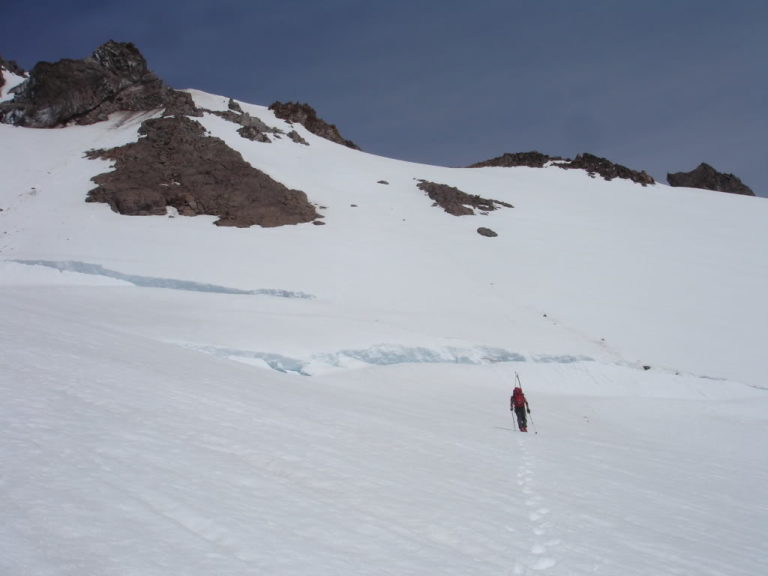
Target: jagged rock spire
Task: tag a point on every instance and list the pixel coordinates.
(114, 78)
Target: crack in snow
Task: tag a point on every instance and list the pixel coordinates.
(379, 355)
(157, 282)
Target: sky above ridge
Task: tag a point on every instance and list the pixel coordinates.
(656, 85)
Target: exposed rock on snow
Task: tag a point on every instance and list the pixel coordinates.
(486, 232)
(296, 137)
(176, 164)
(706, 177)
(252, 128)
(607, 169)
(531, 159)
(114, 78)
(456, 202)
(589, 162)
(305, 115)
(253, 133)
(234, 106)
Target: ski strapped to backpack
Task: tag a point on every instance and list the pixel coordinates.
(523, 402)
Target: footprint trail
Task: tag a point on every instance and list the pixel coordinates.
(539, 558)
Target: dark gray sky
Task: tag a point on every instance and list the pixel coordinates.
(659, 85)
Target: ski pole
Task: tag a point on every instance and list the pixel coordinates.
(532, 424)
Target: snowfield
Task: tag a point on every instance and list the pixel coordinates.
(181, 398)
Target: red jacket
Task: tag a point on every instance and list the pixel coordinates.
(518, 399)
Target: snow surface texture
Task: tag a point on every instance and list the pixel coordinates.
(11, 81)
(366, 429)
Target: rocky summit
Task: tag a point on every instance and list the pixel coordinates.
(175, 163)
(114, 78)
(706, 177)
(533, 159)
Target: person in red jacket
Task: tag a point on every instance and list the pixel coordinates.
(519, 405)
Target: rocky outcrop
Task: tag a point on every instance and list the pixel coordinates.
(706, 177)
(296, 137)
(607, 169)
(589, 162)
(531, 159)
(114, 78)
(253, 133)
(234, 106)
(456, 202)
(175, 164)
(251, 128)
(305, 115)
(180, 104)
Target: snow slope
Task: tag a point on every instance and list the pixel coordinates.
(184, 398)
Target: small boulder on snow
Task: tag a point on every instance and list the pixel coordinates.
(486, 232)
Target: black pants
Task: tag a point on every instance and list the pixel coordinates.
(522, 421)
